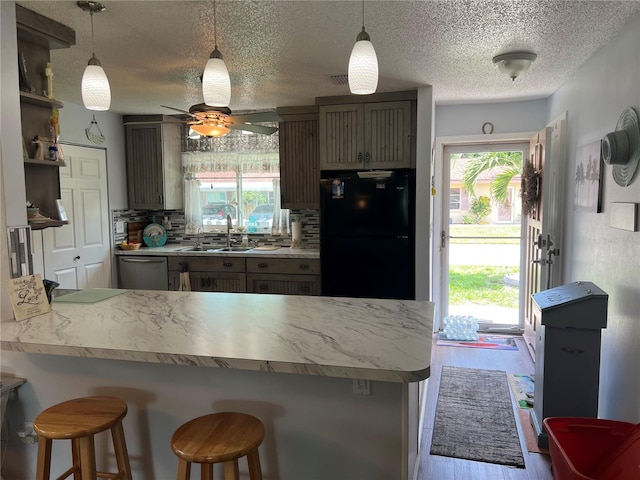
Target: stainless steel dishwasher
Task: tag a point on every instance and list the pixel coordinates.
(142, 273)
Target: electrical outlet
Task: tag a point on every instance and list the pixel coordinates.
(361, 387)
(120, 227)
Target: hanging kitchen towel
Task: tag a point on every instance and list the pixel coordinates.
(185, 281)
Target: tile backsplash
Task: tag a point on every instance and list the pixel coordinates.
(173, 221)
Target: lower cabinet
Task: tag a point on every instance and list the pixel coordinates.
(286, 276)
(210, 274)
(290, 276)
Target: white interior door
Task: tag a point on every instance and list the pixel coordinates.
(543, 224)
(78, 255)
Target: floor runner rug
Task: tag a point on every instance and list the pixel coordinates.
(495, 342)
(474, 418)
(520, 386)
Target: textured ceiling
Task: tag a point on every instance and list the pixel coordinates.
(282, 53)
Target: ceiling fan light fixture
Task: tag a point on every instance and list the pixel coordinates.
(216, 84)
(514, 63)
(210, 129)
(96, 91)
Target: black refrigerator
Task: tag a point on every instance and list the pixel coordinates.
(367, 234)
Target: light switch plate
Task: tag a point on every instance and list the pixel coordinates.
(361, 387)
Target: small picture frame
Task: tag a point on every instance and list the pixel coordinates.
(62, 214)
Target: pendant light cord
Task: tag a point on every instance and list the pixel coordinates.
(215, 26)
(362, 14)
(93, 45)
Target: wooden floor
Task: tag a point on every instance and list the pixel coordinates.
(434, 467)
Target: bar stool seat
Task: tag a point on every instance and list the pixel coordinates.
(219, 438)
(79, 420)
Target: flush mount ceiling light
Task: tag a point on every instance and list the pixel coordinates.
(514, 63)
(96, 92)
(363, 64)
(216, 84)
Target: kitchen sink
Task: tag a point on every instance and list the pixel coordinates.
(231, 249)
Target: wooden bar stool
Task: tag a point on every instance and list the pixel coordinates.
(219, 438)
(79, 420)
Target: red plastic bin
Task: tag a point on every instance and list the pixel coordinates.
(593, 448)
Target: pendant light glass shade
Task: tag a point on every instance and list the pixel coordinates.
(210, 129)
(216, 84)
(363, 66)
(96, 92)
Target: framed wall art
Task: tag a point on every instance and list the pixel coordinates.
(587, 188)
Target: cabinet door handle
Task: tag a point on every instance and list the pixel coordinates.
(208, 281)
(303, 266)
(262, 265)
(159, 198)
(77, 258)
(227, 264)
(367, 157)
(202, 282)
(304, 288)
(263, 287)
(359, 157)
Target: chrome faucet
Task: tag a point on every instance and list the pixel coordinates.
(229, 227)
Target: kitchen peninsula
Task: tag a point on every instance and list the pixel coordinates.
(335, 380)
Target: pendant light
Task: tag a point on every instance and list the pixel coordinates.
(363, 64)
(96, 92)
(216, 84)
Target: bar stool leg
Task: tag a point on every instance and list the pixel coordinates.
(255, 471)
(231, 470)
(206, 471)
(75, 457)
(120, 449)
(87, 457)
(184, 470)
(44, 458)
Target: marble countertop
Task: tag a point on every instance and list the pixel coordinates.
(372, 339)
(184, 250)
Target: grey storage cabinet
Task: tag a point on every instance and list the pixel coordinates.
(154, 164)
(567, 369)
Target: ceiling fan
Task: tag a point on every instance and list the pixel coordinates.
(217, 121)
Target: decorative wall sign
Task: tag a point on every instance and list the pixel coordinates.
(28, 297)
(624, 216)
(587, 178)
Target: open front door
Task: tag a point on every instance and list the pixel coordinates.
(542, 212)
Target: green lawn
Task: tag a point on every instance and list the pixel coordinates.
(484, 231)
(482, 285)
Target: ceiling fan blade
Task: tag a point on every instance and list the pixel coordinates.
(247, 127)
(179, 110)
(257, 117)
(181, 122)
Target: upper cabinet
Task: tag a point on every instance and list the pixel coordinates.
(299, 157)
(37, 35)
(154, 165)
(367, 134)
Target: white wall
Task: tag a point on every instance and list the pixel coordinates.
(511, 117)
(594, 98)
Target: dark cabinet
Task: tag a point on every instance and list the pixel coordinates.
(299, 157)
(210, 274)
(367, 135)
(154, 164)
(291, 276)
